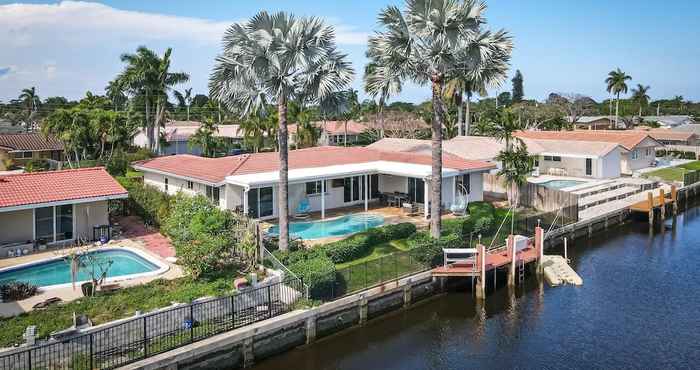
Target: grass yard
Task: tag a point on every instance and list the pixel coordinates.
(117, 305)
(674, 173)
(371, 272)
(377, 252)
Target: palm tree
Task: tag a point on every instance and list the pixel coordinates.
(380, 82)
(115, 93)
(616, 82)
(640, 96)
(184, 99)
(307, 133)
(31, 102)
(273, 59)
(516, 165)
(205, 139)
(433, 42)
(149, 75)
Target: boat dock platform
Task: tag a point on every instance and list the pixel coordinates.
(660, 203)
(558, 272)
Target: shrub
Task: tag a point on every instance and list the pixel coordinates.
(146, 201)
(398, 231)
(37, 165)
(428, 251)
(352, 248)
(139, 155)
(318, 273)
(118, 164)
(17, 291)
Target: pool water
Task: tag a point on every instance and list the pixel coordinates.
(561, 184)
(57, 271)
(341, 226)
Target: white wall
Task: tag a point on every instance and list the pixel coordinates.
(390, 184)
(176, 185)
(476, 185)
(610, 165)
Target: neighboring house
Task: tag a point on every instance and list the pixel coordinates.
(333, 132)
(54, 207)
(638, 149)
(178, 133)
(329, 177)
(669, 121)
(18, 149)
(671, 137)
(6, 127)
(591, 159)
(593, 122)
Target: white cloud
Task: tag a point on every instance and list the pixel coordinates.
(71, 47)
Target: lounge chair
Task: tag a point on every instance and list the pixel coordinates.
(46, 303)
(303, 209)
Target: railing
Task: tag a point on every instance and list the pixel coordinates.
(144, 336)
(368, 274)
(270, 260)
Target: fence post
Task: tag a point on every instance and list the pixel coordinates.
(396, 266)
(269, 302)
(381, 269)
(145, 339)
(366, 263)
(191, 322)
(233, 311)
(29, 358)
(92, 361)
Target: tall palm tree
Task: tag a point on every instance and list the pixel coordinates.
(115, 93)
(639, 95)
(617, 83)
(205, 138)
(433, 42)
(149, 75)
(184, 99)
(380, 82)
(274, 58)
(31, 102)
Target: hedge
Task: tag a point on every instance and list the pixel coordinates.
(146, 201)
(318, 274)
(359, 245)
(428, 251)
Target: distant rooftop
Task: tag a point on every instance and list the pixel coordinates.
(32, 141)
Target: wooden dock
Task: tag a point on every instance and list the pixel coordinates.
(659, 202)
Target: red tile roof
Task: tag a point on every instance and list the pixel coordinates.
(29, 142)
(627, 139)
(335, 127)
(55, 186)
(215, 170)
(666, 134)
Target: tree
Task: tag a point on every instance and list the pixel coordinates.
(307, 133)
(115, 93)
(31, 102)
(149, 75)
(518, 92)
(640, 96)
(380, 82)
(616, 84)
(516, 165)
(573, 105)
(205, 138)
(504, 99)
(432, 42)
(184, 100)
(274, 59)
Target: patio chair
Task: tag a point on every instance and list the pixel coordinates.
(410, 209)
(459, 208)
(303, 209)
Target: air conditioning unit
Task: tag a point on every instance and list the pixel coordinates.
(521, 242)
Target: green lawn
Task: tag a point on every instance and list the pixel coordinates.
(377, 252)
(120, 304)
(674, 173)
(371, 272)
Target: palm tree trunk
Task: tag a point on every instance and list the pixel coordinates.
(460, 117)
(381, 118)
(436, 175)
(345, 137)
(617, 110)
(283, 198)
(468, 118)
(188, 112)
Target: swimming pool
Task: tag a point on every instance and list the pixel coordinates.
(340, 226)
(56, 271)
(561, 184)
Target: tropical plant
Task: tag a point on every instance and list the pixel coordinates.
(185, 100)
(272, 59)
(95, 265)
(30, 102)
(205, 139)
(381, 83)
(115, 93)
(518, 92)
(616, 84)
(434, 42)
(307, 133)
(640, 96)
(148, 75)
(516, 165)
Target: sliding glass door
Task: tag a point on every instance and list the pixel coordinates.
(416, 190)
(54, 223)
(260, 202)
(64, 222)
(352, 189)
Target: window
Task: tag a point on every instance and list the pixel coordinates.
(213, 194)
(374, 186)
(352, 190)
(463, 181)
(190, 185)
(23, 154)
(634, 154)
(260, 202)
(64, 222)
(43, 223)
(556, 159)
(547, 158)
(650, 152)
(165, 181)
(416, 190)
(314, 188)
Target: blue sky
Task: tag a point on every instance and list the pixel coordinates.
(560, 46)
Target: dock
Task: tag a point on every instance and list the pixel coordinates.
(558, 272)
(659, 202)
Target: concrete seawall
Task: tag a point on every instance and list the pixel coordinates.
(243, 347)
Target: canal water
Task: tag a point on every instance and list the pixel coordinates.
(639, 307)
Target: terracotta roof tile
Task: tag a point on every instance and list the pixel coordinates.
(55, 186)
(627, 139)
(666, 134)
(30, 142)
(215, 170)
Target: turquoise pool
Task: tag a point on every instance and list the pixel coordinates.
(57, 271)
(341, 226)
(561, 184)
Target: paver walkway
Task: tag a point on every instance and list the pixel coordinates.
(134, 228)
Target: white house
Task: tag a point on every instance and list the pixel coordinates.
(178, 133)
(329, 177)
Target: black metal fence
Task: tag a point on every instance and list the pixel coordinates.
(144, 336)
(353, 278)
(691, 177)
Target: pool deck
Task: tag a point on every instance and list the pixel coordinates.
(9, 309)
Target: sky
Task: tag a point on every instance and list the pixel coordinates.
(568, 46)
